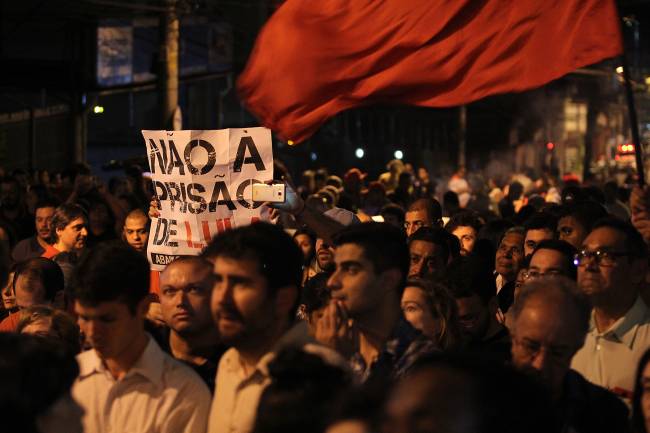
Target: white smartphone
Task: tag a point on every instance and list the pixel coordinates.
(272, 193)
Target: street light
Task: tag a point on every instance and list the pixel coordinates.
(359, 153)
(313, 156)
(399, 154)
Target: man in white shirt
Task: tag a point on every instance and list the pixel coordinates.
(126, 382)
(612, 268)
(257, 271)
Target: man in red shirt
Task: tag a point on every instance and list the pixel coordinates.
(69, 230)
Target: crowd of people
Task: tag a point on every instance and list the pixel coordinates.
(410, 303)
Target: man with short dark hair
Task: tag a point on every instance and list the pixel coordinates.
(465, 226)
(257, 275)
(393, 214)
(37, 281)
(190, 335)
(35, 246)
(126, 382)
(371, 265)
(612, 265)
(136, 230)
(539, 227)
(429, 253)
(424, 212)
(509, 260)
(552, 257)
(471, 284)
(576, 221)
(550, 320)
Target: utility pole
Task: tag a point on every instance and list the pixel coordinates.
(168, 78)
(462, 133)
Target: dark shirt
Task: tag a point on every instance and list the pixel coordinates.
(207, 371)
(496, 347)
(27, 249)
(20, 227)
(506, 296)
(588, 408)
(405, 346)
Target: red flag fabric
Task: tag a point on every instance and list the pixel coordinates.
(314, 59)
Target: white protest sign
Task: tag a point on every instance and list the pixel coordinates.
(203, 181)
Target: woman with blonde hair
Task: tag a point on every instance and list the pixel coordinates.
(431, 309)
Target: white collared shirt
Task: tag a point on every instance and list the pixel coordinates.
(610, 358)
(237, 395)
(157, 395)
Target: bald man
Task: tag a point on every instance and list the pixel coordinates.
(551, 319)
(136, 230)
(190, 336)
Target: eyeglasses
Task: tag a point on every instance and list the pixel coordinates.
(531, 274)
(531, 349)
(416, 225)
(602, 258)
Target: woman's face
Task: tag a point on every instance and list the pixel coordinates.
(645, 396)
(8, 295)
(417, 311)
(305, 244)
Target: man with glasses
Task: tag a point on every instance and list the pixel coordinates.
(425, 212)
(552, 257)
(550, 320)
(612, 265)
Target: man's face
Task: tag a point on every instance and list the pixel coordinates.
(534, 237)
(354, 281)
(136, 233)
(544, 341)
(241, 305)
(185, 290)
(571, 231)
(467, 237)
(109, 326)
(416, 219)
(43, 220)
(324, 255)
(604, 281)
(29, 292)
(474, 317)
(510, 255)
(73, 236)
(426, 260)
(547, 262)
(9, 196)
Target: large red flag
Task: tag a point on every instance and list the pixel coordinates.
(314, 59)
